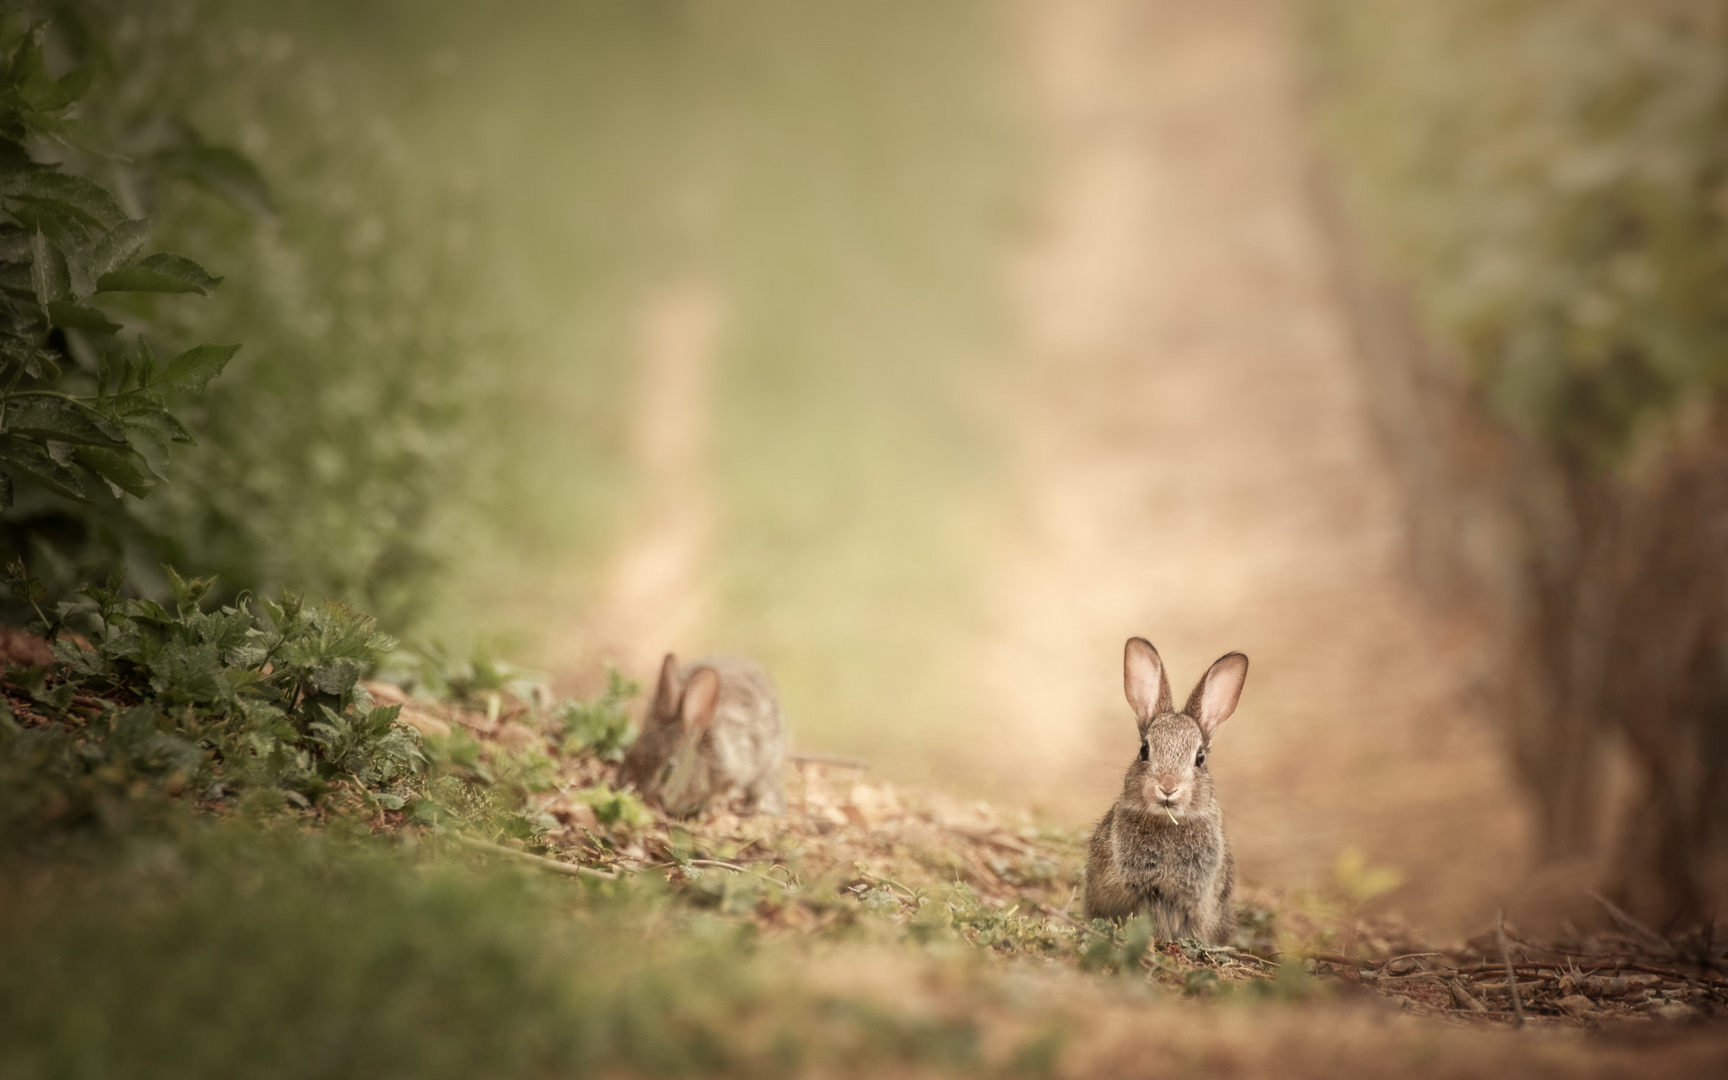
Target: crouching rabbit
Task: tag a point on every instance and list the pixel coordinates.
(1161, 849)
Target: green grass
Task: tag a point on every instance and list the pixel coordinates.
(255, 946)
(244, 950)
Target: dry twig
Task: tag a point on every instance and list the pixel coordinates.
(1511, 973)
(1464, 998)
(536, 860)
(1626, 922)
(736, 869)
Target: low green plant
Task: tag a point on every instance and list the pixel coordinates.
(601, 726)
(614, 807)
(258, 698)
(1108, 950)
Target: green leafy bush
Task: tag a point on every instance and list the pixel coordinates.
(83, 410)
(257, 699)
(353, 448)
(359, 443)
(1551, 179)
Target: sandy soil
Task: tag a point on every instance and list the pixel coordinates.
(1196, 466)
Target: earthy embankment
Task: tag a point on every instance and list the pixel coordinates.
(950, 908)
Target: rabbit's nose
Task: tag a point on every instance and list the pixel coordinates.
(1168, 789)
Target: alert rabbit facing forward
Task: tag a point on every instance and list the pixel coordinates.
(714, 737)
(1161, 849)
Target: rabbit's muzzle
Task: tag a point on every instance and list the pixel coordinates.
(1165, 793)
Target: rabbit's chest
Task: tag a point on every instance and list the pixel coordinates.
(1166, 869)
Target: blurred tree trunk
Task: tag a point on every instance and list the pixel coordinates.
(1604, 599)
(1665, 684)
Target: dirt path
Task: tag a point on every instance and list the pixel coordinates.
(1196, 465)
(1193, 463)
(655, 590)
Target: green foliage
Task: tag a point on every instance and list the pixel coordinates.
(270, 955)
(1551, 177)
(254, 699)
(602, 726)
(83, 411)
(432, 670)
(355, 447)
(248, 951)
(1108, 950)
(349, 447)
(614, 807)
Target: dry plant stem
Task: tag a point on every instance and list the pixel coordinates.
(1146, 962)
(1078, 925)
(541, 861)
(1511, 973)
(1235, 955)
(736, 869)
(1341, 961)
(1626, 922)
(719, 865)
(1544, 969)
(1464, 999)
(890, 882)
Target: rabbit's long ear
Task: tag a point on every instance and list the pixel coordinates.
(1143, 679)
(1215, 696)
(665, 707)
(701, 695)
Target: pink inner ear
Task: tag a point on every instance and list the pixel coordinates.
(1143, 679)
(1220, 689)
(701, 695)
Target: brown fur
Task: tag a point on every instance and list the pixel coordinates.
(723, 714)
(1179, 872)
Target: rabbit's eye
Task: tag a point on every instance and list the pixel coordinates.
(1200, 758)
(1145, 752)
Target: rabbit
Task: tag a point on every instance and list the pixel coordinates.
(1161, 849)
(714, 736)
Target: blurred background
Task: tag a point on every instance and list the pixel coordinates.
(927, 352)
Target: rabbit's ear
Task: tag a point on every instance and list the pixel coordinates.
(1143, 679)
(665, 707)
(701, 695)
(1215, 697)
